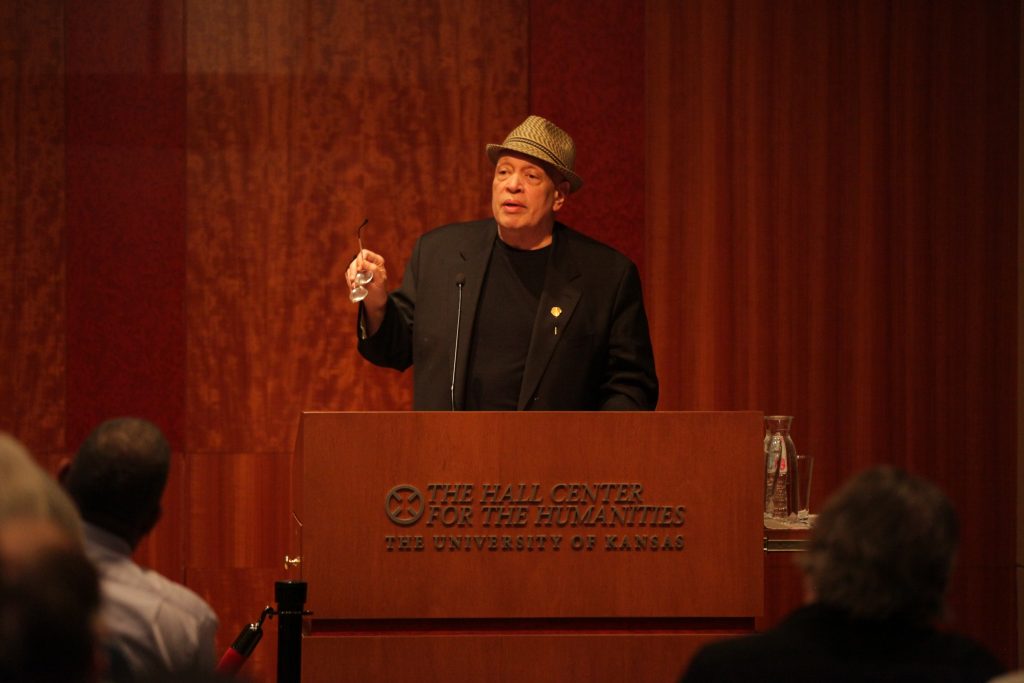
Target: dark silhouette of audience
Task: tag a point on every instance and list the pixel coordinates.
(877, 568)
(27, 491)
(49, 602)
(49, 592)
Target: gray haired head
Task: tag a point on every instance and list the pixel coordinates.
(883, 547)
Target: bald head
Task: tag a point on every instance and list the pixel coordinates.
(118, 477)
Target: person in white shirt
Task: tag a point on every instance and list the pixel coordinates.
(117, 480)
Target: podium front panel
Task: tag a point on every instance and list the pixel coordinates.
(517, 658)
(440, 516)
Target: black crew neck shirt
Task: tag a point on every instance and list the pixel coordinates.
(504, 324)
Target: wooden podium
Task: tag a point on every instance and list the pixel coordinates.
(525, 546)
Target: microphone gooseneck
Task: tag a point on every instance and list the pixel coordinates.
(460, 280)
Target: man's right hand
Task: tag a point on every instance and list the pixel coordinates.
(376, 299)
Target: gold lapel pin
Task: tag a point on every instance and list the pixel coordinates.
(556, 311)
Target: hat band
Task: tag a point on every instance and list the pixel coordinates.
(546, 150)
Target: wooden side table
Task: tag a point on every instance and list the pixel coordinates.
(783, 579)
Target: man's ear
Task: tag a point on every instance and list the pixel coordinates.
(561, 194)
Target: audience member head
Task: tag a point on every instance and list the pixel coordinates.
(49, 605)
(49, 592)
(883, 547)
(29, 492)
(118, 477)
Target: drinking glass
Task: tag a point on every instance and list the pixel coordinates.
(804, 470)
(363, 277)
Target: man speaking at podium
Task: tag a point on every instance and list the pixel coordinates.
(514, 312)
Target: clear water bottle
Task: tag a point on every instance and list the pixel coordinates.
(780, 473)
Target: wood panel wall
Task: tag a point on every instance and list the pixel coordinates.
(32, 241)
(304, 118)
(822, 198)
(219, 156)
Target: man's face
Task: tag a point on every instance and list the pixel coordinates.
(524, 197)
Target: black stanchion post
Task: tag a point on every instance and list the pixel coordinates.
(291, 601)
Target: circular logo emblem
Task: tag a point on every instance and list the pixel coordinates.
(404, 505)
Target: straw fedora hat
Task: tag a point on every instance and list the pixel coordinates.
(539, 138)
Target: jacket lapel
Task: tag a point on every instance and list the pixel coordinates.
(561, 294)
(472, 262)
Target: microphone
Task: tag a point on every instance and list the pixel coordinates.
(460, 280)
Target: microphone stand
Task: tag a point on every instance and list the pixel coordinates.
(291, 600)
(460, 280)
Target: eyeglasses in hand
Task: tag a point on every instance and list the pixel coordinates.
(363, 277)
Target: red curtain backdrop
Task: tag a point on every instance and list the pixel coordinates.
(832, 234)
(822, 199)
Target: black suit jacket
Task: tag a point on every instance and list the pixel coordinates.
(601, 357)
(818, 643)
